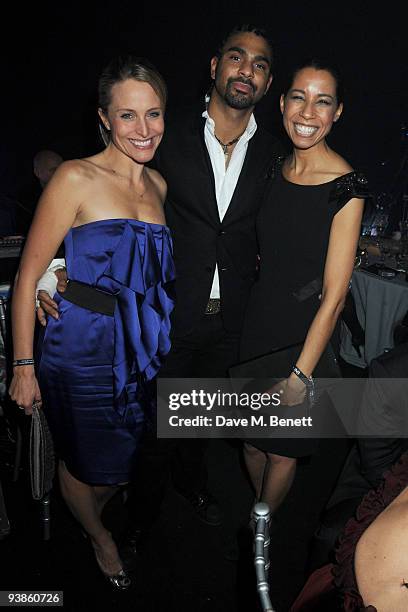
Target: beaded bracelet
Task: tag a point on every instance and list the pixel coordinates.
(23, 362)
(308, 381)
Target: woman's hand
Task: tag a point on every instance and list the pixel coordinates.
(24, 389)
(292, 391)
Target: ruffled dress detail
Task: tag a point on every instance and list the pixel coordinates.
(97, 371)
(142, 317)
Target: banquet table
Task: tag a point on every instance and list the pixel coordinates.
(381, 303)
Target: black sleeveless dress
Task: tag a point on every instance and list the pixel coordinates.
(293, 228)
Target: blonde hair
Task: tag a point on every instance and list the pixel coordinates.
(120, 69)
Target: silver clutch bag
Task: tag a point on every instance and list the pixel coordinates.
(42, 458)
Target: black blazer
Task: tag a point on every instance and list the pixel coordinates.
(200, 239)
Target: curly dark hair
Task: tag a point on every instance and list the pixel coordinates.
(246, 28)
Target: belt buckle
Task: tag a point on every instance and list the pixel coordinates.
(213, 306)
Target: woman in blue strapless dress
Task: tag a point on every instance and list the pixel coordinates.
(99, 358)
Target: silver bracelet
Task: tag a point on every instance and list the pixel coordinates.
(23, 362)
(308, 381)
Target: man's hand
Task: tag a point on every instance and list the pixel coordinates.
(47, 304)
(61, 275)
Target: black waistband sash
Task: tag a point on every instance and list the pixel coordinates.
(89, 297)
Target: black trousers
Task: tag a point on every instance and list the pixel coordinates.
(207, 352)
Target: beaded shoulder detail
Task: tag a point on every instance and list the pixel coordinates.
(348, 186)
(353, 184)
(275, 167)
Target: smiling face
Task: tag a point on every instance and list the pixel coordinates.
(242, 74)
(310, 107)
(135, 119)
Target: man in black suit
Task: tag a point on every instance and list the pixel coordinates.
(214, 159)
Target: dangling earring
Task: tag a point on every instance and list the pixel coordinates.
(208, 95)
(104, 133)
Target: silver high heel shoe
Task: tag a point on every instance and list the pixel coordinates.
(120, 581)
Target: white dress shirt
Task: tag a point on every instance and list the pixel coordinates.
(225, 178)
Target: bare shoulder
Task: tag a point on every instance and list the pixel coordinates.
(332, 167)
(380, 558)
(340, 166)
(158, 181)
(73, 172)
(69, 186)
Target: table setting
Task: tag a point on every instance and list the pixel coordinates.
(379, 288)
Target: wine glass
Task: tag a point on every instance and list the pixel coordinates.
(400, 260)
(404, 258)
(365, 259)
(384, 250)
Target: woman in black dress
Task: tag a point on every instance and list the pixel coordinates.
(308, 229)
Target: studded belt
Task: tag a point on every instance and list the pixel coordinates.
(213, 306)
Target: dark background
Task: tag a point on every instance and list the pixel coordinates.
(54, 53)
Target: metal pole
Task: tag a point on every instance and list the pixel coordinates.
(17, 455)
(261, 515)
(3, 319)
(46, 516)
(4, 522)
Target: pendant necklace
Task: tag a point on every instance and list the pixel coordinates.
(225, 145)
(124, 178)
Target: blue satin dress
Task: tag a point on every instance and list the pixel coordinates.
(97, 372)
